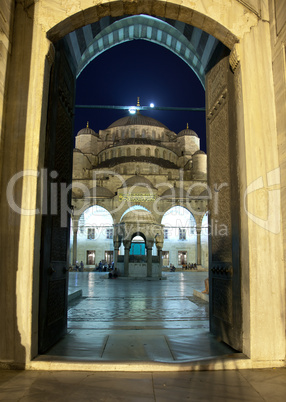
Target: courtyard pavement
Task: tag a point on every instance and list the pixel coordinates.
(138, 320)
(134, 321)
(220, 386)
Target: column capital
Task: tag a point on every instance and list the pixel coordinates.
(117, 244)
(127, 243)
(149, 244)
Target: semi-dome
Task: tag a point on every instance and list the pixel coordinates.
(174, 192)
(87, 130)
(187, 131)
(138, 181)
(101, 192)
(137, 119)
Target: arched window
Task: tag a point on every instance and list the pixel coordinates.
(156, 153)
(138, 151)
(164, 154)
(148, 152)
(128, 152)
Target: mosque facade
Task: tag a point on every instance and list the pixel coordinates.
(139, 197)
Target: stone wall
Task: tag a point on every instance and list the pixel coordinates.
(278, 40)
(6, 19)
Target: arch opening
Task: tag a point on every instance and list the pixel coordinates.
(181, 255)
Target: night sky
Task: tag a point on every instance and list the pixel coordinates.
(144, 69)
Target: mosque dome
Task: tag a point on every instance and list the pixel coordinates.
(101, 192)
(87, 130)
(137, 119)
(174, 192)
(187, 131)
(138, 181)
(138, 215)
(199, 152)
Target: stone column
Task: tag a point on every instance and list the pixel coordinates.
(160, 258)
(149, 261)
(74, 247)
(199, 246)
(159, 240)
(115, 253)
(127, 244)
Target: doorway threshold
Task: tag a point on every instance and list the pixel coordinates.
(236, 361)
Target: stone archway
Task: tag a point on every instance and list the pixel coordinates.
(24, 125)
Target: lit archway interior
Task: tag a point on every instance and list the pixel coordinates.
(95, 236)
(180, 239)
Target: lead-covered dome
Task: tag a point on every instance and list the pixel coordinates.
(138, 216)
(137, 180)
(187, 131)
(137, 119)
(199, 152)
(87, 130)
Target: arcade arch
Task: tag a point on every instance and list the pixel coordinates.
(231, 22)
(92, 239)
(180, 237)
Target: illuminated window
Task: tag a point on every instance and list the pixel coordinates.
(109, 233)
(91, 234)
(182, 257)
(165, 257)
(182, 234)
(109, 257)
(90, 257)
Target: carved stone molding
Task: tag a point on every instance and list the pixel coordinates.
(51, 54)
(234, 58)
